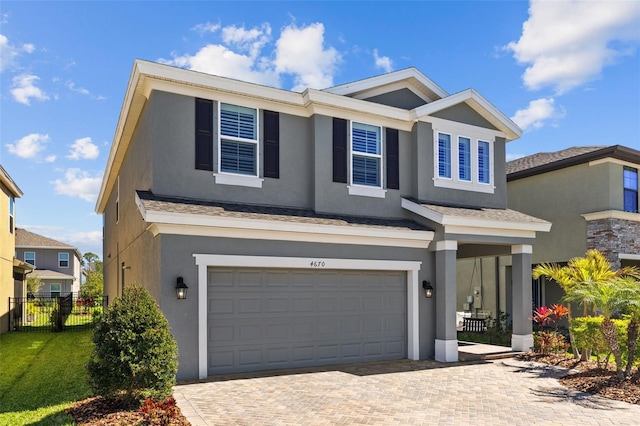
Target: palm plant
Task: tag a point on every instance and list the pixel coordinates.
(582, 272)
(629, 288)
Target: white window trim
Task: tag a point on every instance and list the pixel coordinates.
(51, 291)
(471, 158)
(118, 202)
(204, 261)
(366, 190)
(457, 130)
(12, 214)
(68, 260)
(437, 155)
(229, 178)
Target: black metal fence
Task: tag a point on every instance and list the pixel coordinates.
(62, 313)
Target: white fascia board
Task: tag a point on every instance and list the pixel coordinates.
(452, 222)
(612, 214)
(420, 238)
(385, 79)
(489, 232)
(479, 104)
(6, 181)
(614, 161)
(628, 256)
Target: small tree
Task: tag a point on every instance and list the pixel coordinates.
(135, 355)
(33, 286)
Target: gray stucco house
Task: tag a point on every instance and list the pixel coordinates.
(57, 264)
(305, 224)
(590, 193)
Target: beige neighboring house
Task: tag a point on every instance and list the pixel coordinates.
(57, 264)
(590, 194)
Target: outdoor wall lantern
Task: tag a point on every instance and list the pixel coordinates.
(428, 290)
(181, 288)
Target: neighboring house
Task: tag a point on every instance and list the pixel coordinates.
(12, 270)
(590, 194)
(57, 264)
(306, 224)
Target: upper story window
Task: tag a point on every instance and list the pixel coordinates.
(63, 260)
(12, 207)
(30, 257)
(630, 185)
(366, 155)
(118, 201)
(463, 157)
(238, 148)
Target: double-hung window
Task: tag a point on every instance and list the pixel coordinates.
(630, 189)
(30, 257)
(238, 148)
(463, 156)
(54, 290)
(366, 155)
(12, 207)
(63, 260)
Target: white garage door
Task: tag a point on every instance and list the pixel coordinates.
(260, 319)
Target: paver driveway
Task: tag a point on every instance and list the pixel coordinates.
(500, 392)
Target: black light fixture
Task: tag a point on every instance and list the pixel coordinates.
(428, 290)
(181, 288)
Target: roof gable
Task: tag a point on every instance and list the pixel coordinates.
(26, 239)
(408, 78)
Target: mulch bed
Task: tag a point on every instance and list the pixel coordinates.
(98, 411)
(586, 376)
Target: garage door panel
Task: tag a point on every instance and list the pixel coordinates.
(282, 319)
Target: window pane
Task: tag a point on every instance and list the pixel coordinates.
(444, 155)
(237, 121)
(238, 157)
(366, 138)
(366, 171)
(11, 205)
(484, 162)
(630, 178)
(63, 260)
(30, 257)
(464, 159)
(630, 201)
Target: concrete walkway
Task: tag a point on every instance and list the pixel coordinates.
(499, 392)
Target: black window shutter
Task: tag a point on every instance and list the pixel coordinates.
(271, 137)
(393, 161)
(204, 134)
(340, 150)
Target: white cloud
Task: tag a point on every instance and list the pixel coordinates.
(50, 158)
(206, 28)
(383, 62)
(24, 89)
(28, 47)
(511, 157)
(83, 149)
(71, 86)
(84, 238)
(29, 146)
(78, 183)
(537, 113)
(8, 53)
(301, 52)
(567, 43)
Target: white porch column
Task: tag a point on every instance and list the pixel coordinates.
(522, 304)
(446, 344)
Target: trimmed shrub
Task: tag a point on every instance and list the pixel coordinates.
(135, 355)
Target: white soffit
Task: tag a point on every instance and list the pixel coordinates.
(612, 214)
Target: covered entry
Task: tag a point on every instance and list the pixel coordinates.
(260, 319)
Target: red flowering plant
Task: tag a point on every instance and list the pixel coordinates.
(546, 340)
(160, 412)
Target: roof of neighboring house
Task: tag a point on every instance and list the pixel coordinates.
(26, 239)
(45, 274)
(548, 161)
(151, 202)
(6, 181)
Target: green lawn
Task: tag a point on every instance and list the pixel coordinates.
(41, 375)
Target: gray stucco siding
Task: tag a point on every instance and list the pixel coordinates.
(403, 98)
(177, 259)
(463, 113)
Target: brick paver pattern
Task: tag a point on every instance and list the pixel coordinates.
(500, 392)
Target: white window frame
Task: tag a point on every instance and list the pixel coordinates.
(366, 190)
(12, 214)
(34, 257)
(238, 179)
(475, 134)
(118, 202)
(458, 137)
(60, 254)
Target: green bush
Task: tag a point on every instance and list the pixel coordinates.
(135, 355)
(588, 335)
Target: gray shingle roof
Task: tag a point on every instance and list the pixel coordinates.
(504, 215)
(153, 202)
(51, 275)
(543, 158)
(25, 238)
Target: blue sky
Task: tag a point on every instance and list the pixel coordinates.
(567, 72)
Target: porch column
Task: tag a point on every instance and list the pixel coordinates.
(522, 337)
(446, 345)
